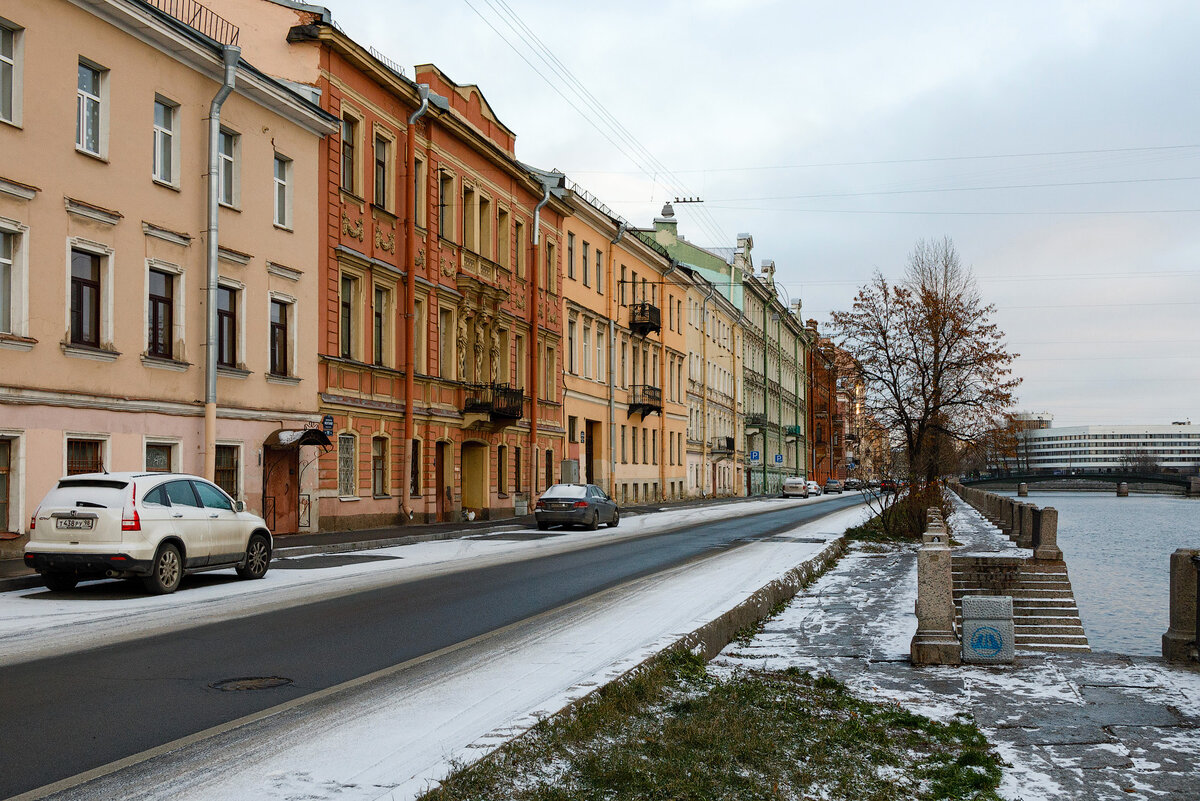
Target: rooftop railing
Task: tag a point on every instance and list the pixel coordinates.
(201, 17)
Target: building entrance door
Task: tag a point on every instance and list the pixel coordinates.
(590, 448)
(281, 489)
(443, 486)
(474, 477)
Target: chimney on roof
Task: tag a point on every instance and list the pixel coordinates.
(666, 227)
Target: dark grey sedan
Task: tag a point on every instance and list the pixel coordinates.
(576, 505)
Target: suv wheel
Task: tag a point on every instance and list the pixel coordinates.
(60, 582)
(258, 558)
(616, 518)
(595, 523)
(165, 572)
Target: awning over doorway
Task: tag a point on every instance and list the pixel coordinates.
(295, 437)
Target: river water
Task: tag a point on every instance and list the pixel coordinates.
(1117, 552)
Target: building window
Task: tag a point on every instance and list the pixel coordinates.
(346, 316)
(502, 469)
(587, 350)
(419, 193)
(414, 478)
(504, 240)
(519, 381)
(380, 325)
(446, 206)
(84, 456)
(7, 250)
(549, 467)
(164, 141)
(5, 491)
(624, 458)
(227, 330)
(485, 228)
(227, 472)
(279, 337)
(346, 465)
(551, 265)
(349, 139)
(159, 340)
(379, 455)
(571, 368)
(85, 298)
(159, 457)
(548, 374)
(227, 175)
(586, 282)
(88, 109)
(470, 219)
(383, 155)
(520, 231)
(634, 434)
(517, 469)
(10, 83)
(599, 274)
(571, 258)
(283, 191)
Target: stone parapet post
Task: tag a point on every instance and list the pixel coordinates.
(1123, 490)
(1046, 536)
(1179, 643)
(1025, 531)
(935, 642)
(1022, 490)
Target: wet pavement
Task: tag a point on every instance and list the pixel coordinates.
(1088, 726)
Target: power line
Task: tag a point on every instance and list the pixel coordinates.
(1039, 154)
(961, 213)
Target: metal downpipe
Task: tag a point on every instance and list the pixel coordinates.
(230, 55)
(534, 273)
(613, 297)
(410, 300)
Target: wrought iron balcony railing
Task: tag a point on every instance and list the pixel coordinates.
(644, 318)
(756, 420)
(497, 400)
(794, 431)
(201, 17)
(645, 399)
(722, 445)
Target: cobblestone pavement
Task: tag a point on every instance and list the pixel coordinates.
(1091, 726)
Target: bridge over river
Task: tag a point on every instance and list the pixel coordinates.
(1190, 485)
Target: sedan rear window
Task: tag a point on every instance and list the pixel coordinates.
(565, 491)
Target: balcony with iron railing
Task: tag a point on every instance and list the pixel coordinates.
(794, 431)
(756, 420)
(200, 17)
(722, 445)
(645, 399)
(644, 319)
(497, 401)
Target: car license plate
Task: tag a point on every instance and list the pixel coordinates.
(74, 522)
(562, 506)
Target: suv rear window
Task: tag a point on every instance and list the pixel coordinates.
(86, 492)
(565, 491)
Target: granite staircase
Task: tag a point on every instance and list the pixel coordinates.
(1045, 617)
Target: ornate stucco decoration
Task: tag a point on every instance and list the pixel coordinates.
(354, 229)
(387, 243)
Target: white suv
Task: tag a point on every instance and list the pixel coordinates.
(156, 526)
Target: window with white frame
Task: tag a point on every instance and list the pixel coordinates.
(10, 74)
(227, 474)
(383, 166)
(89, 109)
(86, 277)
(160, 302)
(227, 160)
(349, 133)
(347, 465)
(160, 457)
(283, 191)
(228, 325)
(166, 120)
(281, 340)
(8, 247)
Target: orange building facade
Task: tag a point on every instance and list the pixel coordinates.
(439, 341)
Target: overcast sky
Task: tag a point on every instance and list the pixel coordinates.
(838, 137)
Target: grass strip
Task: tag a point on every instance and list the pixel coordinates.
(673, 731)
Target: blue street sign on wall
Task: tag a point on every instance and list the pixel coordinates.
(779, 458)
(755, 457)
(327, 424)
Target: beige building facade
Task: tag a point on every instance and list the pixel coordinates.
(103, 239)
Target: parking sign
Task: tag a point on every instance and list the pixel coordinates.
(779, 458)
(755, 457)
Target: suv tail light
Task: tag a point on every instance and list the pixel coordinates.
(130, 520)
(33, 520)
(580, 504)
(540, 505)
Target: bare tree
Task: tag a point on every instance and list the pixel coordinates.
(935, 368)
(1140, 461)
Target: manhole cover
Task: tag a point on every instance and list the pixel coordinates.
(251, 683)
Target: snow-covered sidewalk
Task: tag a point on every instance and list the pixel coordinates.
(1089, 726)
(394, 734)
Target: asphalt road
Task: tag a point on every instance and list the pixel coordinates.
(65, 715)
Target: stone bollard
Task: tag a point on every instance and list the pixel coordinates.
(1123, 490)
(935, 642)
(1179, 643)
(1046, 536)
(1022, 490)
(987, 629)
(1025, 533)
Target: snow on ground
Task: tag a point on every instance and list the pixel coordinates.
(1094, 726)
(35, 623)
(395, 735)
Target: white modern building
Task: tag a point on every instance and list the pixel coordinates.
(1174, 447)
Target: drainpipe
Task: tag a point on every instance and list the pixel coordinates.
(664, 381)
(766, 415)
(613, 289)
(704, 398)
(230, 56)
(534, 273)
(410, 302)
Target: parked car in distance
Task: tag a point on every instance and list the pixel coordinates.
(814, 488)
(152, 526)
(576, 505)
(832, 485)
(887, 485)
(795, 487)
(854, 483)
